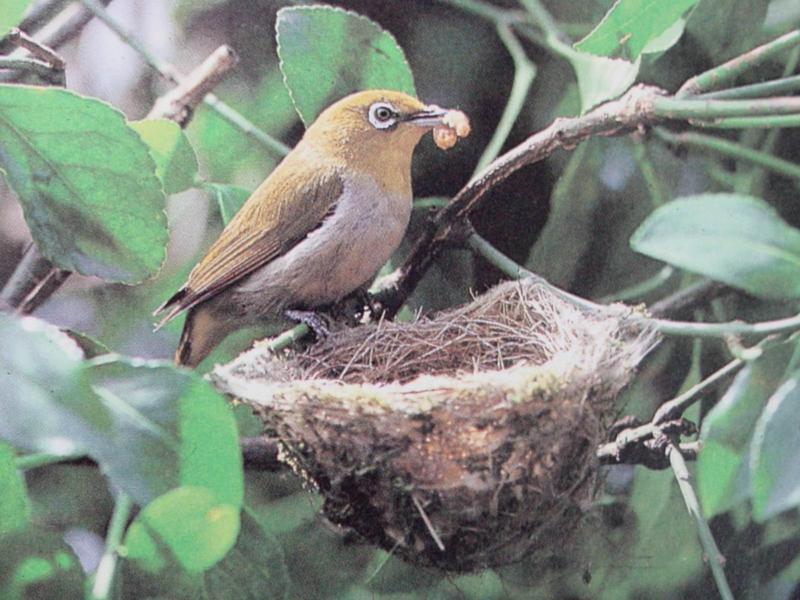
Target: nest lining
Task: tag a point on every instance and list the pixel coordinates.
(461, 441)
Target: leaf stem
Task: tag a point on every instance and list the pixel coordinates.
(728, 148)
(715, 559)
(165, 70)
(542, 17)
(727, 72)
(775, 87)
(524, 74)
(104, 577)
(677, 108)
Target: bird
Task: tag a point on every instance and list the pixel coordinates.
(318, 228)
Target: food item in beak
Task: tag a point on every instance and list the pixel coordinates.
(455, 125)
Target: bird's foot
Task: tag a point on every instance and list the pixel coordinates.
(371, 303)
(313, 320)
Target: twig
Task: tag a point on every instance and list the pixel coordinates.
(715, 559)
(23, 290)
(41, 51)
(688, 297)
(775, 87)
(677, 108)
(21, 65)
(732, 149)
(168, 72)
(726, 73)
(632, 111)
(642, 288)
(762, 122)
(104, 577)
(545, 20)
(179, 103)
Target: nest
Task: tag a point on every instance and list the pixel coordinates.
(461, 441)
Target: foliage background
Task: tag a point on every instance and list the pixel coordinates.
(569, 218)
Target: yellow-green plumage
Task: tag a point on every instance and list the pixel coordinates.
(318, 228)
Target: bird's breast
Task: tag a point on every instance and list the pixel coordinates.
(343, 253)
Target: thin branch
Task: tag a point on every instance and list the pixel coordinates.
(727, 73)
(22, 290)
(714, 557)
(41, 51)
(757, 122)
(169, 73)
(784, 85)
(728, 148)
(542, 17)
(104, 577)
(622, 116)
(524, 74)
(179, 103)
(689, 297)
(677, 108)
(642, 288)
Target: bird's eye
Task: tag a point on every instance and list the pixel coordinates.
(382, 115)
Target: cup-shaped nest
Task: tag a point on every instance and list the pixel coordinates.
(462, 441)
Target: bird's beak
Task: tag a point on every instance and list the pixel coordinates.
(430, 116)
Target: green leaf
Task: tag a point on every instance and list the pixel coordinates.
(190, 523)
(230, 199)
(601, 78)
(150, 426)
(327, 53)
(170, 428)
(727, 27)
(573, 203)
(86, 182)
(46, 404)
(176, 163)
(630, 25)
(737, 239)
(776, 446)
(11, 12)
(36, 564)
(253, 570)
(723, 469)
(15, 510)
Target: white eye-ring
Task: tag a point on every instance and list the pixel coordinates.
(382, 115)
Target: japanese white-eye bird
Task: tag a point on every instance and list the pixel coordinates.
(317, 229)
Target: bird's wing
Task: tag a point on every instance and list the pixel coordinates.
(261, 231)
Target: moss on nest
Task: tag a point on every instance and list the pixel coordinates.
(461, 441)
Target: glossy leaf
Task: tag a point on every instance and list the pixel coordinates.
(601, 78)
(726, 27)
(229, 198)
(86, 182)
(46, 405)
(776, 446)
(188, 522)
(737, 239)
(630, 25)
(170, 428)
(36, 564)
(15, 510)
(11, 12)
(723, 467)
(327, 53)
(176, 163)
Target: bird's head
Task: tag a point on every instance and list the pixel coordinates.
(373, 130)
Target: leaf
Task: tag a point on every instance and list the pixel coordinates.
(86, 183)
(11, 12)
(723, 473)
(327, 53)
(150, 426)
(727, 27)
(600, 78)
(15, 510)
(170, 428)
(230, 199)
(737, 239)
(776, 446)
(176, 163)
(253, 570)
(630, 25)
(36, 564)
(190, 523)
(573, 204)
(46, 405)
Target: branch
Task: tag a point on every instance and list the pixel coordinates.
(631, 112)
